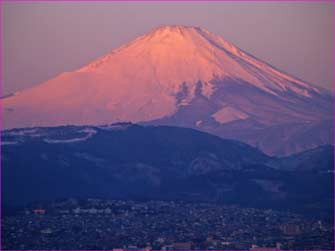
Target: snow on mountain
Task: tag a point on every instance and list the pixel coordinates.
(171, 55)
(228, 114)
(163, 73)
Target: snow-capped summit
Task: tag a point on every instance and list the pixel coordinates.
(177, 54)
(178, 75)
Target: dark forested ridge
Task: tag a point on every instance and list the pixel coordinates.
(129, 161)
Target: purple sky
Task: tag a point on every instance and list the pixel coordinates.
(41, 40)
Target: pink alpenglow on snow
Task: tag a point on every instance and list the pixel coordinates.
(160, 73)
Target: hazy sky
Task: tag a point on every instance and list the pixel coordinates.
(43, 39)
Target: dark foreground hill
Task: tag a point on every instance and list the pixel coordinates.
(128, 161)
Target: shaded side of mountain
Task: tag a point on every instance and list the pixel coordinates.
(277, 125)
(319, 159)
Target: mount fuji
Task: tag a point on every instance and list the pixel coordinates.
(188, 77)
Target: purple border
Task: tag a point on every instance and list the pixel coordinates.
(334, 118)
(206, 1)
(97, 1)
(1, 88)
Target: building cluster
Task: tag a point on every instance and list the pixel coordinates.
(161, 225)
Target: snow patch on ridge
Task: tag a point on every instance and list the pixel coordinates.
(198, 123)
(90, 132)
(113, 127)
(228, 114)
(24, 132)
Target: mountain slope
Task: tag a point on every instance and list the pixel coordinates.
(319, 159)
(134, 162)
(182, 76)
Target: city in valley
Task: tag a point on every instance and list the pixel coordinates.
(160, 225)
